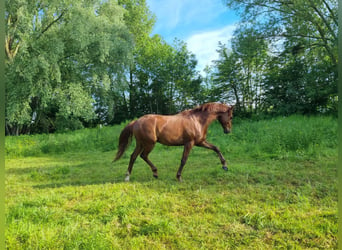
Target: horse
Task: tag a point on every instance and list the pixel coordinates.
(188, 128)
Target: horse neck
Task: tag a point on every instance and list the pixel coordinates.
(206, 118)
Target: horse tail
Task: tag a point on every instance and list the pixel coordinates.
(124, 140)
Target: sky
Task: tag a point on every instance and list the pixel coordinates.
(202, 24)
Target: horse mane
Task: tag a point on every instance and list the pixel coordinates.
(211, 107)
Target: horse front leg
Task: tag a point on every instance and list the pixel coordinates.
(208, 145)
(187, 148)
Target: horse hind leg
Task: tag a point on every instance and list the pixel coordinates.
(134, 156)
(144, 155)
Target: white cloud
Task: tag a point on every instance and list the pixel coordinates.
(202, 24)
(205, 44)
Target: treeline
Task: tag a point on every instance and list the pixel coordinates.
(283, 58)
(73, 64)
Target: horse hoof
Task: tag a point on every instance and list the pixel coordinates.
(127, 179)
(155, 176)
(179, 178)
(225, 168)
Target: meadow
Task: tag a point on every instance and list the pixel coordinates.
(280, 192)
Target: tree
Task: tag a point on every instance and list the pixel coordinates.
(208, 91)
(307, 24)
(239, 73)
(80, 63)
(185, 83)
(163, 79)
(303, 34)
(59, 55)
(227, 78)
(148, 78)
(296, 84)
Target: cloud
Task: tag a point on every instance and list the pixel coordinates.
(205, 44)
(202, 24)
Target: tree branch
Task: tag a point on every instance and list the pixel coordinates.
(325, 41)
(333, 15)
(52, 23)
(10, 52)
(323, 19)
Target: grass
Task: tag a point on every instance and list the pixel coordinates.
(63, 192)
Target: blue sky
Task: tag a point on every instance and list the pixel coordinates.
(202, 24)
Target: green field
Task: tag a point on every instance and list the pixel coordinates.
(64, 192)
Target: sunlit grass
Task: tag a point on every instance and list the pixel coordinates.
(271, 197)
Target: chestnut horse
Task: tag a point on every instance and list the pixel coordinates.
(188, 128)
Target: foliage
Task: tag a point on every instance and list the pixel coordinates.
(81, 63)
(164, 79)
(304, 25)
(280, 191)
(74, 64)
(115, 104)
(58, 52)
(239, 71)
(283, 58)
(297, 86)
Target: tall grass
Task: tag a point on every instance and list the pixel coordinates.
(281, 137)
(96, 139)
(277, 137)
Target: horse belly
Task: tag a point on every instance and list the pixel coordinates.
(170, 141)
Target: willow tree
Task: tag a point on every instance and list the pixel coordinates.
(57, 54)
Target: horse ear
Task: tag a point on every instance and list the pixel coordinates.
(232, 107)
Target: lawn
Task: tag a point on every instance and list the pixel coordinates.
(64, 192)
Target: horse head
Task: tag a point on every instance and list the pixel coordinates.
(225, 118)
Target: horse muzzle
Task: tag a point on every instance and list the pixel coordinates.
(226, 131)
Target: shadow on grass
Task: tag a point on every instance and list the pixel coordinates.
(57, 172)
